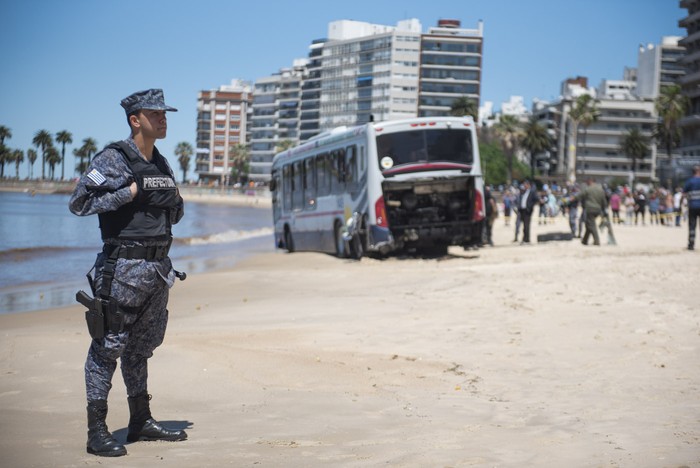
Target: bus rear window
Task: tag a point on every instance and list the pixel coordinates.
(429, 145)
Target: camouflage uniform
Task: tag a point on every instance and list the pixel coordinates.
(140, 287)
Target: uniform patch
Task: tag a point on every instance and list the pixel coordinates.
(95, 176)
(158, 183)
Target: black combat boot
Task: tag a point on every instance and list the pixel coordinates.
(100, 442)
(142, 426)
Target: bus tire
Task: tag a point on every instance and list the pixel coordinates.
(358, 245)
(341, 250)
(288, 240)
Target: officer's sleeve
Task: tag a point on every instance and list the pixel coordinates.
(104, 187)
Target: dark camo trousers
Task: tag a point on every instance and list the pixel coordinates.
(693, 215)
(146, 321)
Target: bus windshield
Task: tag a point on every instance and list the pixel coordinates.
(425, 145)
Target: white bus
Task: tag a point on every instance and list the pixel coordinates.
(413, 184)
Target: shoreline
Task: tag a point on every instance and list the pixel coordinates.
(194, 194)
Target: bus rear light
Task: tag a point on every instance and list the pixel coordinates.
(466, 125)
(380, 213)
(478, 206)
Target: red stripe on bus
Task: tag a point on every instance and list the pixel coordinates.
(426, 167)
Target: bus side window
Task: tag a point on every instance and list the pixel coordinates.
(338, 165)
(322, 175)
(351, 164)
(287, 181)
(297, 189)
(363, 160)
(310, 182)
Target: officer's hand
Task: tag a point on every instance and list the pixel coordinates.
(134, 190)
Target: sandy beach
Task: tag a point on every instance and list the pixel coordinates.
(548, 355)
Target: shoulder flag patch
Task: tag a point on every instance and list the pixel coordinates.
(95, 176)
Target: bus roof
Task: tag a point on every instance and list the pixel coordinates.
(341, 133)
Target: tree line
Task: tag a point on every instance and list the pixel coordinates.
(45, 144)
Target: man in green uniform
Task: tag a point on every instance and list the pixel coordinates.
(594, 203)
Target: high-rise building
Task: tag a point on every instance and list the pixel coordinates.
(364, 72)
(450, 67)
(659, 65)
(222, 124)
(309, 116)
(369, 71)
(275, 118)
(690, 83)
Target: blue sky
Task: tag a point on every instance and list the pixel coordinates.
(67, 64)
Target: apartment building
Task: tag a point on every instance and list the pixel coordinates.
(222, 123)
(659, 65)
(309, 115)
(690, 83)
(597, 151)
(275, 117)
(368, 72)
(450, 67)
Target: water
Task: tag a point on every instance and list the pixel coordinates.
(45, 250)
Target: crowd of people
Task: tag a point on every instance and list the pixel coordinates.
(621, 205)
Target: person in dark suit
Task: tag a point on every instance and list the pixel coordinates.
(526, 204)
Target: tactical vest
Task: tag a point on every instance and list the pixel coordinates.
(140, 219)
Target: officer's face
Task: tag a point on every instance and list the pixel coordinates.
(152, 123)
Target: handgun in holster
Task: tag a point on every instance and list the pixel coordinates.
(103, 315)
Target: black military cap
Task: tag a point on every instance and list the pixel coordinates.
(149, 99)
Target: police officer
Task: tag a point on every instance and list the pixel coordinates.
(131, 188)
(691, 191)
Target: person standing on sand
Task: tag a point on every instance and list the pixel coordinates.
(691, 191)
(132, 189)
(526, 205)
(594, 202)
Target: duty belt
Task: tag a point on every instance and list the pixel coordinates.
(149, 253)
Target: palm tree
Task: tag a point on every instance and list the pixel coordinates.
(535, 139)
(240, 157)
(671, 106)
(18, 157)
(79, 153)
(4, 157)
(584, 112)
(31, 157)
(635, 146)
(64, 137)
(42, 139)
(508, 130)
(90, 148)
(589, 115)
(4, 133)
(464, 106)
(52, 158)
(184, 151)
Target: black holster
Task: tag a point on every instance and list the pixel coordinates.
(102, 316)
